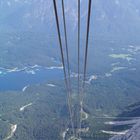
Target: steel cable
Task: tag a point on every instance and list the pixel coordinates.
(63, 63)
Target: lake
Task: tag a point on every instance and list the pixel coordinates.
(17, 79)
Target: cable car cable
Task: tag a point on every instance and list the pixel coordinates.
(63, 62)
(85, 60)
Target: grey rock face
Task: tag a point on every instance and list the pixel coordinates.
(133, 134)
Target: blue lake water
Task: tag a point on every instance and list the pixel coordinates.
(18, 79)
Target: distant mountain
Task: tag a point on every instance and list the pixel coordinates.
(114, 19)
